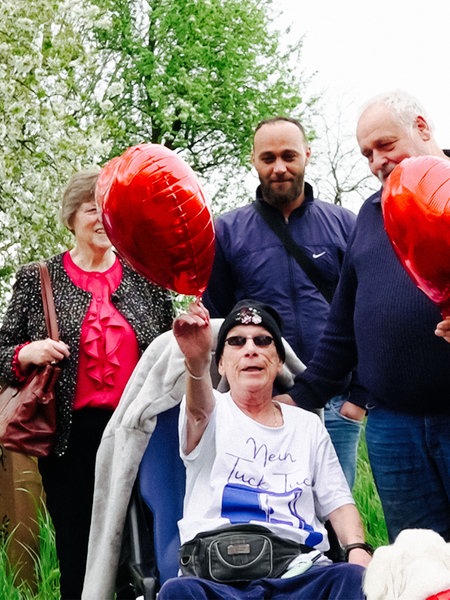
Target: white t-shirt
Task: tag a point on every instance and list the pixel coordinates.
(286, 478)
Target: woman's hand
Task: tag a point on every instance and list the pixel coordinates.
(42, 352)
(193, 333)
(359, 557)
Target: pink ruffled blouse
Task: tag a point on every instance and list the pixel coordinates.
(109, 349)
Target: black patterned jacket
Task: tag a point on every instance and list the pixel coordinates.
(146, 307)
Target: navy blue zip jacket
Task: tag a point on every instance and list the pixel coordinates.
(251, 262)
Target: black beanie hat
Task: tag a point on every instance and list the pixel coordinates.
(252, 312)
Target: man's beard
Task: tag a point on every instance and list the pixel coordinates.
(282, 199)
(384, 173)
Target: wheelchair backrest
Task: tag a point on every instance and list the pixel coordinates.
(162, 483)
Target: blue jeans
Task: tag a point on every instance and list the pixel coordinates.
(344, 433)
(340, 581)
(410, 460)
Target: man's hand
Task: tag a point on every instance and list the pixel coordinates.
(349, 410)
(352, 411)
(443, 329)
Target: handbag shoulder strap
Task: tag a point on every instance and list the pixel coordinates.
(282, 231)
(48, 302)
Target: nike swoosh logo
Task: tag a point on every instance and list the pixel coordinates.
(319, 255)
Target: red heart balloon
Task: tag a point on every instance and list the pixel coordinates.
(445, 595)
(157, 217)
(416, 211)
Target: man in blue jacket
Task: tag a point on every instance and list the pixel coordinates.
(252, 262)
(382, 322)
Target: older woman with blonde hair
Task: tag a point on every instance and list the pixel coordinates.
(107, 315)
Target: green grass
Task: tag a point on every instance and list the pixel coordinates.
(46, 564)
(46, 568)
(368, 501)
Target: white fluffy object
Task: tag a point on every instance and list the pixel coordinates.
(414, 567)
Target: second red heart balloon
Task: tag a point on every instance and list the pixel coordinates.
(416, 211)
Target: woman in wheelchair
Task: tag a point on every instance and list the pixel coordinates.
(261, 477)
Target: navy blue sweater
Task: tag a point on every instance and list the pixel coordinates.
(380, 321)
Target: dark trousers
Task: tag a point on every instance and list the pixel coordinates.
(341, 581)
(410, 460)
(69, 487)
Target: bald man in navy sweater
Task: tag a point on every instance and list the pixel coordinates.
(382, 323)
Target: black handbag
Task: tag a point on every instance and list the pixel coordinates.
(238, 553)
(28, 411)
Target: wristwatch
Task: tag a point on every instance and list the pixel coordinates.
(367, 547)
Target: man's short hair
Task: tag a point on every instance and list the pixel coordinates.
(279, 119)
(401, 104)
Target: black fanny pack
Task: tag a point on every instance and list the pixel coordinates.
(238, 553)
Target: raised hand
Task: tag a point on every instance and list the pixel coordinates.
(193, 333)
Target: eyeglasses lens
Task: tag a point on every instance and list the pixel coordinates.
(261, 341)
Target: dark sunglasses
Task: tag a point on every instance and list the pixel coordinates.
(259, 340)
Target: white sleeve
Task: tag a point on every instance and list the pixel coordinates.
(331, 489)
